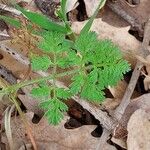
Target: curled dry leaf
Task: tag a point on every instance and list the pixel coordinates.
(91, 6)
(128, 44)
(139, 131)
(146, 62)
(56, 137)
(147, 82)
(147, 78)
(118, 90)
(71, 4)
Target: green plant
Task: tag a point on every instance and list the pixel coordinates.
(92, 64)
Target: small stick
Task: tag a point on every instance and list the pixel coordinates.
(107, 122)
(103, 140)
(135, 75)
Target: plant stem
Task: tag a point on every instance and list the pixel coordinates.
(13, 99)
(25, 122)
(71, 36)
(54, 75)
(17, 86)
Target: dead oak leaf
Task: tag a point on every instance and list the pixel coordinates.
(51, 137)
(139, 131)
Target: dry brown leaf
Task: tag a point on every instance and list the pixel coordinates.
(147, 82)
(103, 144)
(91, 6)
(128, 44)
(31, 104)
(142, 10)
(137, 16)
(110, 103)
(9, 62)
(118, 90)
(147, 78)
(71, 4)
(120, 142)
(141, 102)
(56, 137)
(139, 131)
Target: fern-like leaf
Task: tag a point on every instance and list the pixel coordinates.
(105, 63)
(63, 93)
(54, 110)
(41, 92)
(40, 63)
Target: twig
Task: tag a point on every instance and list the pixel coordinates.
(26, 124)
(107, 122)
(135, 75)
(103, 140)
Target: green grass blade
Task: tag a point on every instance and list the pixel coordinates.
(7, 125)
(63, 9)
(88, 25)
(42, 21)
(14, 22)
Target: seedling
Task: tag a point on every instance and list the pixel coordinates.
(92, 64)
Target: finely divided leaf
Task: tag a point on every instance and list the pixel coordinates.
(76, 85)
(63, 93)
(106, 63)
(54, 116)
(99, 63)
(52, 41)
(41, 92)
(62, 106)
(90, 90)
(40, 63)
(54, 108)
(86, 42)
